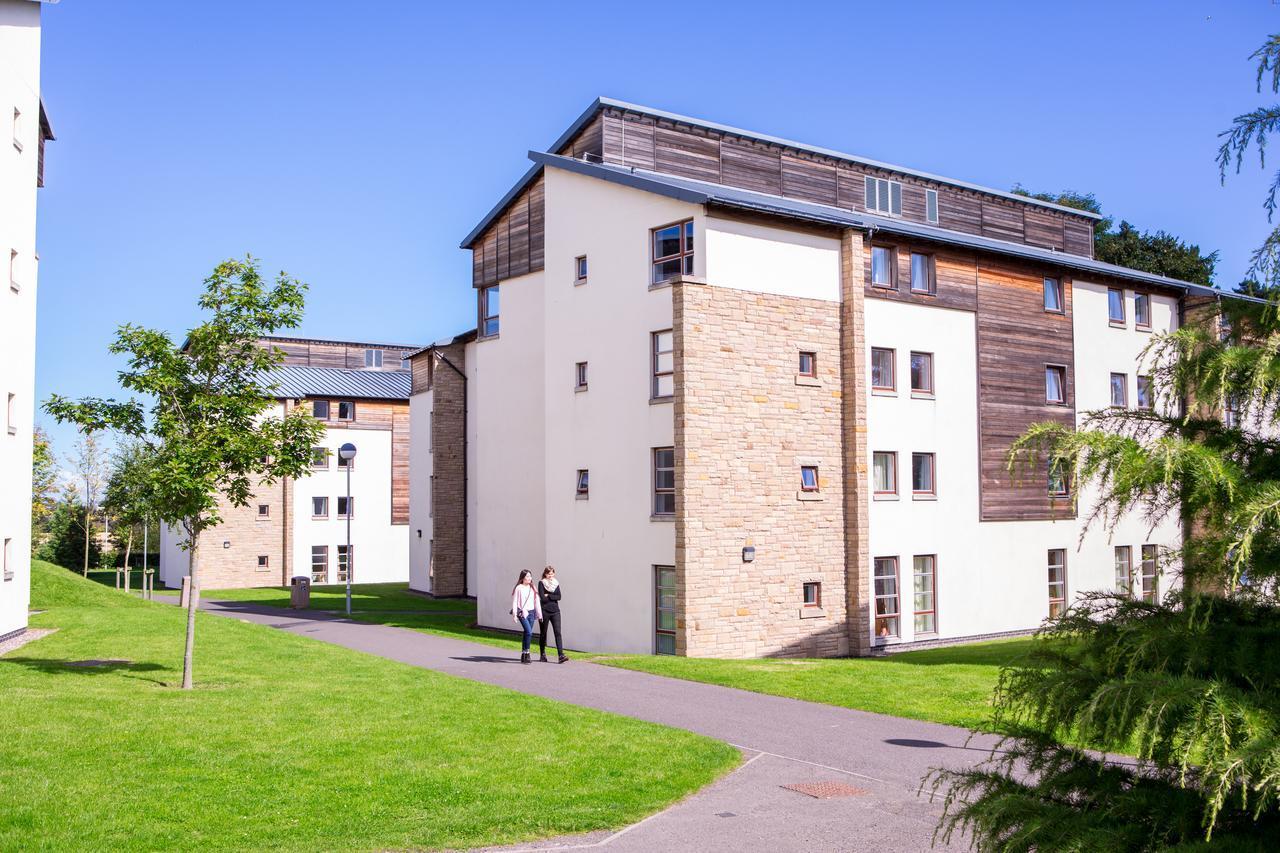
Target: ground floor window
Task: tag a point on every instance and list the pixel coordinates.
(886, 587)
(319, 563)
(1150, 591)
(664, 584)
(346, 561)
(1057, 581)
(924, 590)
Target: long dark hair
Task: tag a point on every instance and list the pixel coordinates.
(520, 580)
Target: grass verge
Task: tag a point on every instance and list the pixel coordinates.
(291, 744)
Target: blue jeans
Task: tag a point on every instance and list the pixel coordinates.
(527, 621)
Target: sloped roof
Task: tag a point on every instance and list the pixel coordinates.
(295, 382)
(703, 192)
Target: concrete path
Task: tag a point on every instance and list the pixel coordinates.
(784, 741)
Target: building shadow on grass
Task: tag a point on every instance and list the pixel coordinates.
(91, 666)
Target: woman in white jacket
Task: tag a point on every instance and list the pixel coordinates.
(525, 609)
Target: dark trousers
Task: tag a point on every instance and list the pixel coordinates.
(554, 619)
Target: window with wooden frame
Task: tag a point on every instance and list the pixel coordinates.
(319, 506)
(346, 506)
(662, 363)
(320, 410)
(922, 373)
(320, 458)
(882, 372)
(885, 581)
(580, 376)
(264, 510)
(664, 481)
(1144, 399)
(922, 475)
(1057, 581)
(884, 472)
(808, 365)
(672, 251)
(373, 358)
(808, 478)
(884, 263)
(924, 593)
(1059, 480)
(1053, 300)
(931, 206)
(1149, 590)
(346, 561)
(346, 410)
(1055, 384)
(1119, 390)
(812, 593)
(1124, 569)
(922, 273)
(664, 610)
(1115, 306)
(1142, 311)
(580, 269)
(582, 490)
(264, 562)
(883, 196)
(489, 307)
(319, 563)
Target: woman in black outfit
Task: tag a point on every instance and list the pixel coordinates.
(549, 595)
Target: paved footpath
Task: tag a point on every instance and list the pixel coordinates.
(784, 741)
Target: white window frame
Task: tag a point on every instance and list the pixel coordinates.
(883, 196)
(373, 358)
(931, 206)
(895, 597)
(655, 354)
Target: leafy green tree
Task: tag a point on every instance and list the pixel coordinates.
(128, 495)
(89, 461)
(63, 540)
(44, 481)
(208, 425)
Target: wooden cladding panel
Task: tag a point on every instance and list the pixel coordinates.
(294, 354)
(851, 190)
(1044, 228)
(420, 366)
(751, 167)
(1078, 238)
(1002, 221)
(588, 142)
(960, 212)
(1016, 339)
(686, 154)
(513, 245)
(808, 181)
(400, 465)
(638, 143)
(955, 278)
(328, 357)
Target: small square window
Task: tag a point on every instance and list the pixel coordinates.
(922, 473)
(922, 280)
(1142, 310)
(921, 373)
(319, 457)
(346, 506)
(882, 373)
(1055, 384)
(320, 409)
(884, 472)
(809, 364)
(808, 478)
(813, 594)
(580, 269)
(319, 507)
(1120, 390)
(346, 410)
(580, 376)
(1115, 306)
(1053, 295)
(373, 358)
(672, 251)
(264, 562)
(264, 510)
(583, 488)
(883, 261)
(346, 463)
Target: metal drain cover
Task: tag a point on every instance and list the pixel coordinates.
(826, 790)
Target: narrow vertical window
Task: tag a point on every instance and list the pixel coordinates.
(884, 472)
(13, 271)
(17, 128)
(1231, 412)
(662, 364)
(1120, 390)
(346, 410)
(808, 365)
(319, 563)
(664, 481)
(922, 475)
(10, 414)
(1053, 295)
(808, 478)
(1144, 399)
(580, 269)
(1115, 306)
(664, 608)
(886, 593)
(924, 593)
(922, 273)
(583, 490)
(1055, 384)
(580, 376)
(1059, 480)
(931, 206)
(882, 266)
(346, 561)
(812, 593)
(1124, 570)
(922, 373)
(1150, 574)
(489, 305)
(1142, 310)
(672, 252)
(1057, 581)
(8, 559)
(882, 373)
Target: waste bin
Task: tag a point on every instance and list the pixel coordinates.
(300, 593)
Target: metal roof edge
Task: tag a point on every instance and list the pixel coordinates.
(461, 338)
(620, 175)
(497, 209)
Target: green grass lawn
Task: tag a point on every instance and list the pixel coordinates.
(287, 743)
(945, 685)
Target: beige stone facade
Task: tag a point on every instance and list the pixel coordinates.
(745, 424)
(228, 554)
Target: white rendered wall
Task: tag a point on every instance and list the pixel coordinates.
(762, 259)
(381, 548)
(19, 88)
(420, 466)
(175, 564)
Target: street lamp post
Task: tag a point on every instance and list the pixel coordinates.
(347, 454)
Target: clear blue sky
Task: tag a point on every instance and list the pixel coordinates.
(354, 144)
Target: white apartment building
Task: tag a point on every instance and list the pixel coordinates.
(25, 130)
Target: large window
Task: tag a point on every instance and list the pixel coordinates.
(1142, 310)
(1120, 390)
(1115, 306)
(886, 587)
(319, 563)
(1055, 384)
(1053, 300)
(662, 364)
(1124, 569)
(922, 273)
(921, 373)
(664, 481)
(883, 273)
(924, 591)
(346, 562)
(489, 311)
(672, 251)
(922, 484)
(1150, 573)
(882, 373)
(664, 609)
(884, 196)
(1057, 581)
(884, 472)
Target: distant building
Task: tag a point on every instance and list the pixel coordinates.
(299, 527)
(25, 129)
(754, 397)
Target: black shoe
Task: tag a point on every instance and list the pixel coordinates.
(564, 659)
(543, 659)
(524, 657)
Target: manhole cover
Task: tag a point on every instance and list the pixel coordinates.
(826, 790)
(96, 662)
